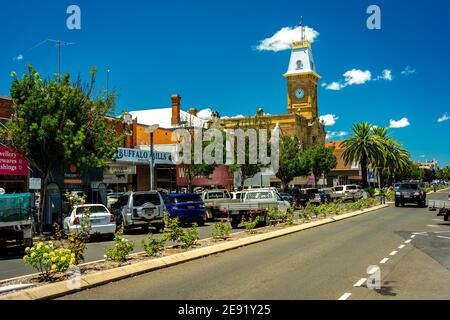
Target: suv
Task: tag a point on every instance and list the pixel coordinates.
(410, 193)
(187, 207)
(140, 209)
(348, 192)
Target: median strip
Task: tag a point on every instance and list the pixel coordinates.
(54, 290)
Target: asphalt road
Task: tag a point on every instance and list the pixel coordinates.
(410, 246)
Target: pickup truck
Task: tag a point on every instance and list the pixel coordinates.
(15, 220)
(255, 203)
(442, 206)
(213, 199)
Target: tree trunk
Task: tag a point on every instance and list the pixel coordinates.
(364, 172)
(42, 201)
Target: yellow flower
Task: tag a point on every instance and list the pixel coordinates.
(72, 261)
(72, 255)
(53, 259)
(25, 258)
(63, 259)
(53, 266)
(27, 249)
(46, 255)
(33, 254)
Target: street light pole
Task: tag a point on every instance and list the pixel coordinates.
(152, 164)
(151, 129)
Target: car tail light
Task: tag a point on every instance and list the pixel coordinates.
(76, 221)
(113, 218)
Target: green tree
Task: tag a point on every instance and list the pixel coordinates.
(293, 162)
(58, 122)
(321, 160)
(393, 158)
(363, 147)
(443, 173)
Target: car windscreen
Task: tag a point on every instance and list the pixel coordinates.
(409, 186)
(258, 195)
(188, 198)
(312, 191)
(338, 188)
(351, 187)
(141, 199)
(92, 209)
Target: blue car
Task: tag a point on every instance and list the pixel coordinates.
(187, 207)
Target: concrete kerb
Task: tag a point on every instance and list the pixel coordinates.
(59, 289)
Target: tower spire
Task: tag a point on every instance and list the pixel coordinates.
(302, 26)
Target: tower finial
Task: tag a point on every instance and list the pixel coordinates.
(302, 25)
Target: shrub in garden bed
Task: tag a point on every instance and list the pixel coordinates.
(153, 246)
(174, 232)
(48, 259)
(122, 248)
(221, 230)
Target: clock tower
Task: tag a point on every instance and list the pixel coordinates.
(302, 79)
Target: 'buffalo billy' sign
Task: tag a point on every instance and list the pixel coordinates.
(142, 156)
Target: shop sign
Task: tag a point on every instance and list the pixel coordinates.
(12, 163)
(142, 156)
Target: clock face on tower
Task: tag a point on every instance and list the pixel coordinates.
(299, 93)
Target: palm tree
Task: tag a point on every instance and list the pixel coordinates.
(364, 147)
(394, 158)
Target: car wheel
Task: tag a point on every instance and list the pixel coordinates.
(159, 227)
(145, 228)
(234, 224)
(201, 221)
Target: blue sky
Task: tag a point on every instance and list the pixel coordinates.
(207, 51)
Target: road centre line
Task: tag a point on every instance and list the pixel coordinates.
(393, 253)
(413, 236)
(408, 241)
(345, 296)
(442, 237)
(360, 282)
(401, 247)
(373, 270)
(384, 260)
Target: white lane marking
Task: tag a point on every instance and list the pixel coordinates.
(442, 237)
(401, 247)
(437, 220)
(345, 296)
(393, 253)
(408, 241)
(424, 233)
(432, 226)
(413, 236)
(441, 232)
(384, 260)
(373, 270)
(360, 282)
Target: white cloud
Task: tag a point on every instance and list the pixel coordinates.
(205, 114)
(356, 76)
(336, 134)
(329, 119)
(18, 58)
(402, 123)
(408, 71)
(335, 86)
(443, 118)
(283, 38)
(236, 116)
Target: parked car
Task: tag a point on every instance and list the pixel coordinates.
(321, 197)
(213, 199)
(256, 202)
(287, 197)
(101, 221)
(347, 192)
(140, 209)
(410, 193)
(396, 186)
(187, 207)
(112, 198)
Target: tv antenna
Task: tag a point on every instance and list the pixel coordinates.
(59, 44)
